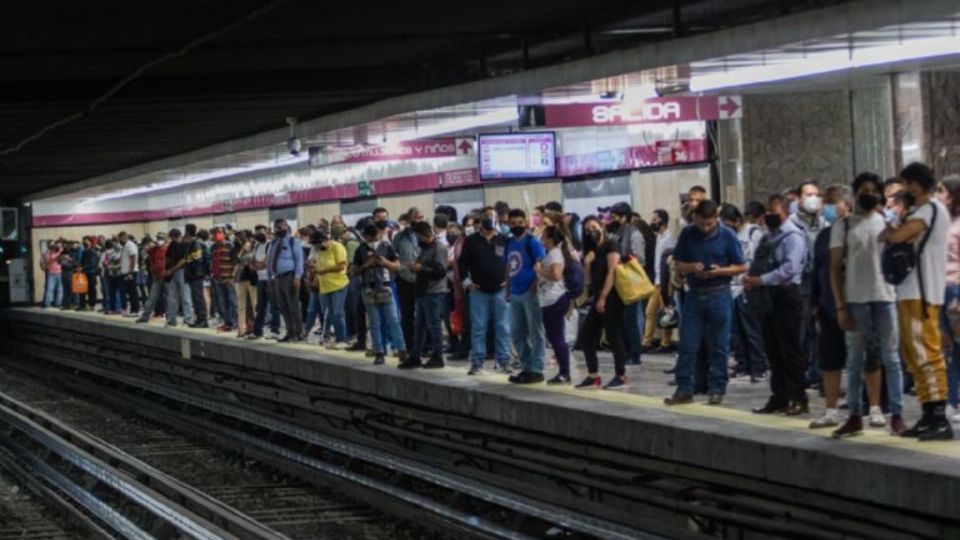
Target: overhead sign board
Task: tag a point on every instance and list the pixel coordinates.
(517, 155)
(419, 149)
(650, 111)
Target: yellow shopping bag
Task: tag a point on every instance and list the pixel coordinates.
(632, 282)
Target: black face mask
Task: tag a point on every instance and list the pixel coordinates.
(655, 227)
(613, 227)
(451, 238)
(280, 233)
(380, 224)
(262, 238)
(424, 245)
(867, 201)
(591, 239)
(909, 199)
(773, 221)
(518, 231)
(487, 224)
(323, 248)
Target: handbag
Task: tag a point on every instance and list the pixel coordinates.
(79, 283)
(632, 282)
(456, 318)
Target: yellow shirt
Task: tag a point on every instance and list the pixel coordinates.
(333, 281)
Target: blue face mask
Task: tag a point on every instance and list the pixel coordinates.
(793, 208)
(890, 215)
(830, 213)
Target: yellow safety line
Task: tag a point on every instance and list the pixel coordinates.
(947, 449)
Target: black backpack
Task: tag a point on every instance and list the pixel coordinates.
(898, 260)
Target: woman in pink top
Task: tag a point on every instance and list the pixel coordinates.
(949, 194)
(53, 291)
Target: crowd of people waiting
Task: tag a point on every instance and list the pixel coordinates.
(863, 277)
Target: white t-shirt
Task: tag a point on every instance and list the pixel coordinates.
(665, 241)
(129, 250)
(749, 237)
(863, 281)
(550, 291)
(260, 256)
(933, 260)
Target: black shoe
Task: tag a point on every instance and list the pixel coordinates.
(142, 321)
(410, 363)
(715, 399)
(679, 398)
(559, 379)
(590, 383)
(201, 324)
(918, 429)
(647, 349)
(771, 407)
(526, 377)
(475, 370)
(619, 382)
(434, 364)
(939, 430)
(797, 408)
(357, 347)
(379, 360)
(667, 349)
(287, 338)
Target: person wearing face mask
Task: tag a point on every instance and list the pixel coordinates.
(194, 272)
(632, 245)
(374, 264)
(660, 224)
(866, 311)
(483, 277)
(285, 271)
(809, 219)
(774, 280)
(920, 297)
(156, 266)
(461, 301)
(408, 249)
(503, 217)
(601, 257)
(709, 255)
(522, 256)
(431, 289)
(746, 339)
(222, 280)
(266, 300)
(331, 271)
(53, 293)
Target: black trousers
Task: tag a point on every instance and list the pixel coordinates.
(129, 284)
(611, 323)
(199, 304)
(783, 335)
(406, 291)
(91, 291)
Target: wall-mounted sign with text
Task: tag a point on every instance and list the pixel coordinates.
(418, 149)
(650, 111)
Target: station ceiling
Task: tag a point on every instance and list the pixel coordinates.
(180, 75)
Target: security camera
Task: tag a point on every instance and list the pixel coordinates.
(294, 145)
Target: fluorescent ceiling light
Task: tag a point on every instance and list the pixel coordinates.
(501, 116)
(827, 62)
(282, 161)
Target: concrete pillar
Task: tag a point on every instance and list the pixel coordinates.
(941, 96)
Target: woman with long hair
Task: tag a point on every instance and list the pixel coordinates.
(554, 297)
(602, 255)
(949, 194)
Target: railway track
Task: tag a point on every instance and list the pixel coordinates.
(269, 504)
(456, 474)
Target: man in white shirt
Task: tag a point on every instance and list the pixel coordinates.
(129, 252)
(920, 298)
(746, 338)
(866, 310)
(660, 223)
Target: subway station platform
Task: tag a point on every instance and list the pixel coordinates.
(920, 479)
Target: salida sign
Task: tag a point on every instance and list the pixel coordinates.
(419, 149)
(650, 111)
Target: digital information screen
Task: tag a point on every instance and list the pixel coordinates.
(517, 155)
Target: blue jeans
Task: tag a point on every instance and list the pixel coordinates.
(876, 321)
(313, 312)
(385, 315)
(634, 320)
(226, 302)
(428, 318)
(482, 306)
(526, 329)
(953, 356)
(53, 291)
(178, 297)
(334, 313)
(702, 313)
(265, 299)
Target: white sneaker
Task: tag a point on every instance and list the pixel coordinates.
(829, 419)
(877, 419)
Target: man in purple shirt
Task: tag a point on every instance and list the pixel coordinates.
(774, 280)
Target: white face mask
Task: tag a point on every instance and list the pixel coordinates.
(812, 204)
(468, 230)
(373, 245)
